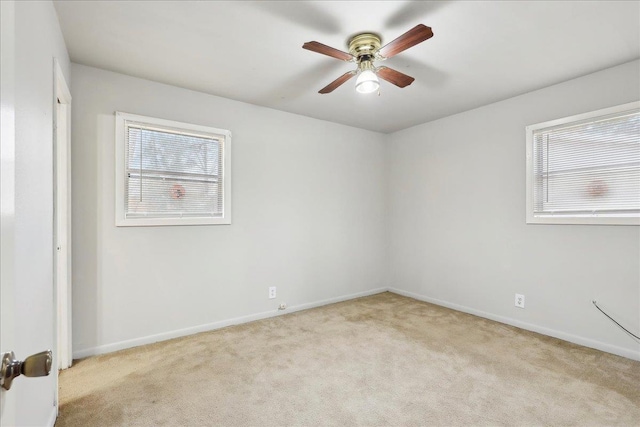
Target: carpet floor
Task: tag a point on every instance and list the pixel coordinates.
(383, 360)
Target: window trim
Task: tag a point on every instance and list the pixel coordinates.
(597, 219)
(120, 170)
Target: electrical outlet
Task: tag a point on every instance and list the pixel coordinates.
(519, 301)
(283, 306)
(272, 292)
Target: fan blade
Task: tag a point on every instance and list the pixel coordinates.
(337, 82)
(327, 50)
(394, 77)
(416, 35)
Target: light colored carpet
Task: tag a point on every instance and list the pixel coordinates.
(374, 361)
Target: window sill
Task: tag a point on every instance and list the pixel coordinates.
(583, 220)
(156, 222)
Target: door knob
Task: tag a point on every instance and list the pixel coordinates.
(36, 365)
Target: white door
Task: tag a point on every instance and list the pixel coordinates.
(25, 326)
(7, 197)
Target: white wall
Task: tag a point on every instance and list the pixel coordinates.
(308, 201)
(458, 234)
(310, 216)
(38, 40)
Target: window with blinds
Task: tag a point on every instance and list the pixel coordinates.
(171, 173)
(585, 169)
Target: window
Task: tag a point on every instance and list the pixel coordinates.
(171, 173)
(585, 169)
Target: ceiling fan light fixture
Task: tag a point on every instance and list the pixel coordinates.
(367, 82)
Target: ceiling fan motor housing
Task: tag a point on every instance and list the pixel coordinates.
(364, 46)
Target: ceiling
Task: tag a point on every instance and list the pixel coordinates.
(251, 51)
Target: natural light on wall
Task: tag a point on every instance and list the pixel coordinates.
(585, 169)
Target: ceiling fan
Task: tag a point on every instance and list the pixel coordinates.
(364, 49)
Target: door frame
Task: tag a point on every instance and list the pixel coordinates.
(62, 218)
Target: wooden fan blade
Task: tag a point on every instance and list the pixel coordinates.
(416, 35)
(337, 82)
(395, 77)
(327, 50)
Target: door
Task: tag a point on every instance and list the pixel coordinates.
(7, 197)
(26, 288)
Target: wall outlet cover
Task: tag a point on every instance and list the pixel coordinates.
(519, 301)
(272, 292)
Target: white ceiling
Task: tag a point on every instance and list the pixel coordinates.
(481, 52)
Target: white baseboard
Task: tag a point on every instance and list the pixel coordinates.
(52, 418)
(121, 345)
(587, 342)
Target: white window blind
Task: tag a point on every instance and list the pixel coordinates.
(588, 168)
(172, 173)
